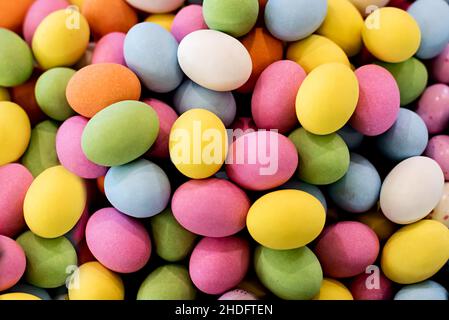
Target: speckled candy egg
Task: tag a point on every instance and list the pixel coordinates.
(441, 211)
(109, 49)
(433, 108)
(440, 66)
(438, 150)
(12, 263)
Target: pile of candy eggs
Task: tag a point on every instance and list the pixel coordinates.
(232, 150)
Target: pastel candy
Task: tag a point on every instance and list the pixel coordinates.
(109, 49)
(77, 234)
(119, 242)
(29, 289)
(188, 20)
(351, 137)
(120, 133)
(364, 5)
(433, 108)
(333, 290)
(380, 224)
(169, 282)
(139, 189)
(240, 295)
(273, 99)
(372, 286)
(24, 96)
(309, 188)
(427, 290)
(165, 20)
(438, 150)
(345, 249)
(47, 259)
(150, 51)
(13, 13)
(294, 20)
(261, 170)
(290, 274)
(440, 68)
(219, 264)
(70, 153)
(379, 101)
(441, 210)
(12, 263)
(156, 5)
(18, 296)
(211, 207)
(15, 180)
(205, 56)
(403, 200)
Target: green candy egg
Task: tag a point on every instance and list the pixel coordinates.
(322, 159)
(16, 59)
(49, 261)
(41, 152)
(290, 274)
(121, 133)
(50, 93)
(235, 17)
(170, 282)
(173, 243)
(411, 76)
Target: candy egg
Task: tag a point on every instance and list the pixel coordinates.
(240, 295)
(286, 219)
(156, 6)
(12, 14)
(214, 60)
(150, 51)
(18, 296)
(61, 39)
(440, 68)
(351, 137)
(12, 263)
(54, 202)
(438, 150)
(377, 221)
(391, 34)
(32, 290)
(47, 259)
(346, 249)
(440, 213)
(333, 290)
(433, 108)
(120, 133)
(411, 190)
(294, 20)
(188, 20)
(170, 282)
(326, 113)
(416, 252)
(95, 282)
(367, 6)
(109, 49)
(372, 286)
(165, 20)
(219, 264)
(308, 188)
(427, 290)
(290, 274)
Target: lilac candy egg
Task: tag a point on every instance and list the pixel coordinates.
(438, 150)
(15, 179)
(211, 207)
(117, 241)
(12, 262)
(187, 20)
(372, 285)
(70, 153)
(379, 101)
(261, 160)
(109, 49)
(440, 66)
(38, 11)
(219, 264)
(274, 97)
(238, 294)
(433, 107)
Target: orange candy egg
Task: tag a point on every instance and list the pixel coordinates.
(12, 13)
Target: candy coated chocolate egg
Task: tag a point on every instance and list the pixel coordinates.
(109, 49)
(427, 290)
(433, 108)
(188, 20)
(156, 6)
(440, 213)
(333, 290)
(12, 263)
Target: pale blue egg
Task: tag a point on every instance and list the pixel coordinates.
(139, 189)
(27, 288)
(427, 290)
(151, 52)
(352, 137)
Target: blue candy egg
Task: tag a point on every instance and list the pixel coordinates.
(433, 20)
(407, 138)
(427, 290)
(358, 191)
(293, 20)
(306, 187)
(352, 137)
(151, 52)
(193, 96)
(139, 189)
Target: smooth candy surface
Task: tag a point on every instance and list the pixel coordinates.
(109, 49)
(12, 263)
(156, 6)
(188, 20)
(427, 290)
(366, 6)
(306, 187)
(12, 14)
(333, 290)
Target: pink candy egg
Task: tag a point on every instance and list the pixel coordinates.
(70, 153)
(440, 67)
(372, 286)
(187, 20)
(242, 126)
(438, 150)
(433, 107)
(261, 160)
(117, 241)
(12, 262)
(219, 264)
(167, 117)
(379, 101)
(15, 180)
(274, 97)
(211, 207)
(76, 235)
(38, 11)
(109, 49)
(345, 249)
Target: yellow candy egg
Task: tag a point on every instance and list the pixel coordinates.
(327, 98)
(78, 3)
(54, 202)
(375, 219)
(198, 144)
(165, 20)
(391, 35)
(4, 94)
(61, 39)
(416, 252)
(15, 131)
(343, 25)
(286, 219)
(18, 296)
(92, 281)
(333, 290)
(315, 51)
